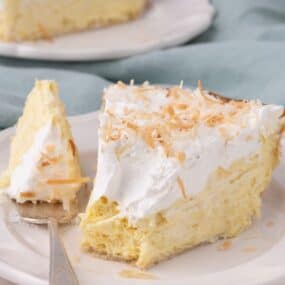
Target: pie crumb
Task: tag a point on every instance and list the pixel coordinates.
(136, 274)
(249, 249)
(226, 245)
(269, 224)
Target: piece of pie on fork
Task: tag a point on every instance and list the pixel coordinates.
(43, 164)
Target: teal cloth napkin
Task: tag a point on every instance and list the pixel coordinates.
(241, 56)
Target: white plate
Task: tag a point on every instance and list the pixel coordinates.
(166, 23)
(256, 257)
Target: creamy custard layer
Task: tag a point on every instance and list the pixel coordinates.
(226, 207)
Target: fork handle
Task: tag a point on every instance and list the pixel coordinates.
(60, 269)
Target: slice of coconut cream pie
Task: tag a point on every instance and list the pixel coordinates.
(43, 162)
(44, 19)
(177, 168)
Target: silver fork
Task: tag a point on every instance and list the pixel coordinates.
(61, 271)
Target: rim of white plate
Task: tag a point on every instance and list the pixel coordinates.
(84, 46)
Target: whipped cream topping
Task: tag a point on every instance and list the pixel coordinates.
(43, 162)
(158, 145)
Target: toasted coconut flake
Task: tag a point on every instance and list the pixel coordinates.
(107, 130)
(182, 187)
(226, 245)
(209, 98)
(44, 33)
(54, 160)
(50, 148)
(181, 106)
(182, 126)
(239, 104)
(156, 134)
(233, 113)
(119, 151)
(104, 199)
(173, 92)
(51, 160)
(167, 149)
(45, 163)
(147, 136)
(73, 147)
(114, 136)
(200, 87)
(110, 113)
(170, 111)
(27, 194)
(160, 219)
(213, 120)
(181, 156)
(132, 126)
(222, 171)
(80, 180)
(121, 84)
(110, 133)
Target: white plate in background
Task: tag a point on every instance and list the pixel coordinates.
(257, 256)
(166, 23)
